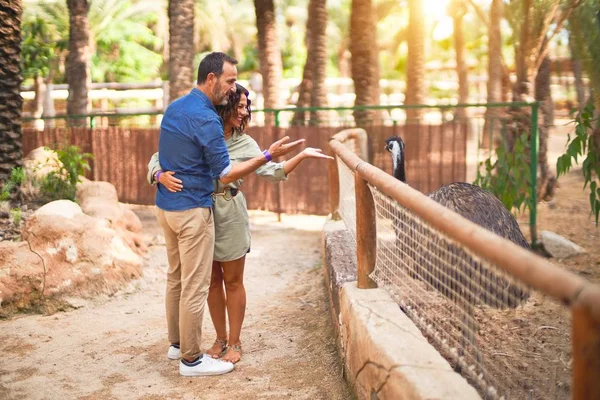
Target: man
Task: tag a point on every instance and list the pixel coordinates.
(192, 145)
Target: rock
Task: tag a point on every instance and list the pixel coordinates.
(558, 246)
(65, 253)
(100, 200)
(21, 273)
(61, 208)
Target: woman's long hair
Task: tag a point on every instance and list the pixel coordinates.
(230, 109)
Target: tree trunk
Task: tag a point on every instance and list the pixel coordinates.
(78, 61)
(11, 103)
(495, 85)
(49, 110)
(543, 94)
(578, 75)
(39, 88)
(365, 63)
(181, 48)
(415, 65)
(461, 64)
(271, 67)
(305, 87)
(317, 17)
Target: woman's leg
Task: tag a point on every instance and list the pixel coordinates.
(216, 306)
(233, 276)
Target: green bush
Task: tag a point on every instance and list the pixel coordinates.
(509, 177)
(15, 215)
(582, 144)
(17, 176)
(62, 184)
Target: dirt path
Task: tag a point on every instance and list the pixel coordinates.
(115, 348)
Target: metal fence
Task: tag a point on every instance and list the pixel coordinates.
(494, 310)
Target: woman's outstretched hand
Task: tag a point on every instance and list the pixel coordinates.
(281, 148)
(311, 152)
(170, 182)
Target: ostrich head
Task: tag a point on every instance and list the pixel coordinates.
(395, 145)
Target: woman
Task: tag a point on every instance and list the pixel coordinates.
(227, 294)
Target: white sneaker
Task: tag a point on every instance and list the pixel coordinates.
(174, 353)
(206, 365)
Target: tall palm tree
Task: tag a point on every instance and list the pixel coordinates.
(543, 94)
(181, 47)
(458, 10)
(535, 23)
(584, 27)
(495, 72)
(317, 18)
(305, 87)
(78, 60)
(415, 66)
(271, 67)
(11, 102)
(365, 62)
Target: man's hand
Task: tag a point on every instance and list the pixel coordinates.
(280, 148)
(170, 182)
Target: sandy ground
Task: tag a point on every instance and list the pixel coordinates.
(115, 348)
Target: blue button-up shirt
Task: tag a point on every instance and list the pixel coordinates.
(193, 146)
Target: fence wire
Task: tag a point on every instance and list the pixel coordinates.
(507, 341)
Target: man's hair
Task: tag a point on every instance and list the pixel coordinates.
(213, 62)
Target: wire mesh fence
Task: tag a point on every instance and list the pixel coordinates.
(508, 341)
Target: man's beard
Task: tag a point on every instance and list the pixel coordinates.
(222, 98)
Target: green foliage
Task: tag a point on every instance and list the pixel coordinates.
(17, 176)
(126, 47)
(583, 145)
(40, 47)
(15, 215)
(62, 184)
(508, 177)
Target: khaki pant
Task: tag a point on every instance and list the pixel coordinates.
(190, 242)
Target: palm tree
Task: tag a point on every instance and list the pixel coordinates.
(269, 54)
(415, 67)
(181, 47)
(317, 19)
(495, 72)
(78, 60)
(458, 10)
(11, 102)
(365, 62)
(584, 27)
(305, 87)
(534, 26)
(543, 94)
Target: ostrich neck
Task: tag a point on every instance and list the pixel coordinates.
(399, 171)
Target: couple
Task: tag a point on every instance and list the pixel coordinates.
(203, 157)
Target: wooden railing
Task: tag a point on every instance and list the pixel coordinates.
(581, 296)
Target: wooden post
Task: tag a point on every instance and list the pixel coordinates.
(586, 354)
(334, 187)
(366, 234)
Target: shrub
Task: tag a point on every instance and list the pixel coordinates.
(62, 184)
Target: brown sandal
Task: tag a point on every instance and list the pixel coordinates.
(235, 347)
(223, 344)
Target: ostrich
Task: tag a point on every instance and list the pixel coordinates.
(484, 209)
(477, 284)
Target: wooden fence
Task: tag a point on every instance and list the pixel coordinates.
(436, 155)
